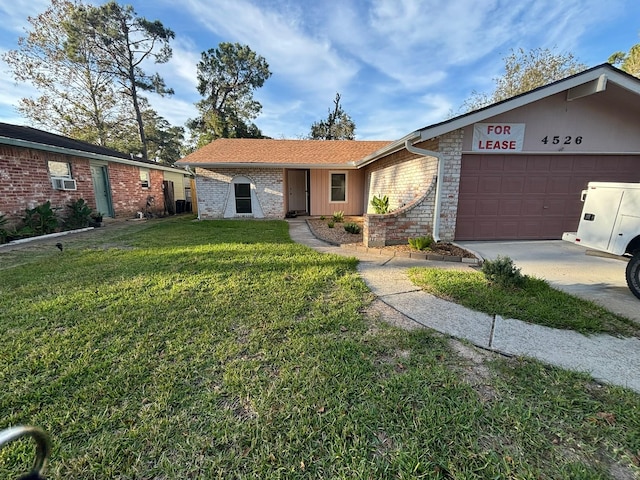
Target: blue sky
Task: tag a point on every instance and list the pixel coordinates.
(399, 65)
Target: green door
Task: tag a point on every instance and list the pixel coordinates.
(100, 177)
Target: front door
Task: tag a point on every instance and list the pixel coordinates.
(101, 190)
(298, 190)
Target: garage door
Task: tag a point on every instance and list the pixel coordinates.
(530, 196)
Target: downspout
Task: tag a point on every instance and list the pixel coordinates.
(436, 210)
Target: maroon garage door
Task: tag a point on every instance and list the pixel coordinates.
(531, 196)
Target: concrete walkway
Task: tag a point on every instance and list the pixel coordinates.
(608, 359)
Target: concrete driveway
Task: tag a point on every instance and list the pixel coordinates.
(569, 267)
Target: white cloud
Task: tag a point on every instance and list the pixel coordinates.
(307, 62)
(398, 64)
(14, 13)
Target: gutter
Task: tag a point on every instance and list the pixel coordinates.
(436, 210)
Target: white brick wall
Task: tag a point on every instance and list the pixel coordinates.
(402, 176)
(451, 150)
(213, 190)
(416, 219)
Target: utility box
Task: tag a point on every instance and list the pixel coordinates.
(610, 222)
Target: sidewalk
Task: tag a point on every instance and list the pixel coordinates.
(608, 359)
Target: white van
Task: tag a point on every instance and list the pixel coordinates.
(610, 222)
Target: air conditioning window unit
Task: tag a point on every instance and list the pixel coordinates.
(64, 184)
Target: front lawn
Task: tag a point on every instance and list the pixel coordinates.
(223, 350)
(534, 302)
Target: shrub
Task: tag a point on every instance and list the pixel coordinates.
(421, 243)
(96, 219)
(380, 204)
(331, 224)
(338, 217)
(503, 273)
(322, 217)
(40, 220)
(79, 215)
(352, 227)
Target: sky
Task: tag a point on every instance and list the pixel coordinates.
(399, 65)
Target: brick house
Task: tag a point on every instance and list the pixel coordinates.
(37, 166)
(512, 170)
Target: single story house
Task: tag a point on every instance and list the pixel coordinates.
(511, 170)
(37, 166)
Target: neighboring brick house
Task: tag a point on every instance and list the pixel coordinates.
(36, 167)
(512, 170)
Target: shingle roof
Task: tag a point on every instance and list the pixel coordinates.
(272, 152)
(34, 135)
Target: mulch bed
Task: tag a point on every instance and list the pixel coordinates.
(338, 236)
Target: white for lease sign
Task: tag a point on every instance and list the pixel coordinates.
(498, 137)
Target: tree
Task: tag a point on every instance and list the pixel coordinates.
(77, 97)
(165, 140)
(525, 71)
(227, 78)
(123, 41)
(337, 126)
(629, 62)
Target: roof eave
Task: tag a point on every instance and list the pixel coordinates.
(393, 147)
(314, 166)
(79, 153)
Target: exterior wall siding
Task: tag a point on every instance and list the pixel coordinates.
(178, 184)
(320, 188)
(213, 190)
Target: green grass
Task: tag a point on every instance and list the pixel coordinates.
(221, 349)
(535, 302)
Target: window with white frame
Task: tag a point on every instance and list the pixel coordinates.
(59, 169)
(338, 187)
(145, 181)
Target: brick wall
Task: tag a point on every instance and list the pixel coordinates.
(213, 187)
(402, 176)
(25, 183)
(413, 220)
(451, 151)
(405, 175)
(128, 195)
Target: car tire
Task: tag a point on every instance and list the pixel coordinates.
(633, 274)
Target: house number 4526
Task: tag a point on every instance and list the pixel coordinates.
(557, 139)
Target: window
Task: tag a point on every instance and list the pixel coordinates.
(338, 187)
(243, 197)
(144, 178)
(59, 169)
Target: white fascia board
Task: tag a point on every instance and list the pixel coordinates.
(624, 81)
(80, 153)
